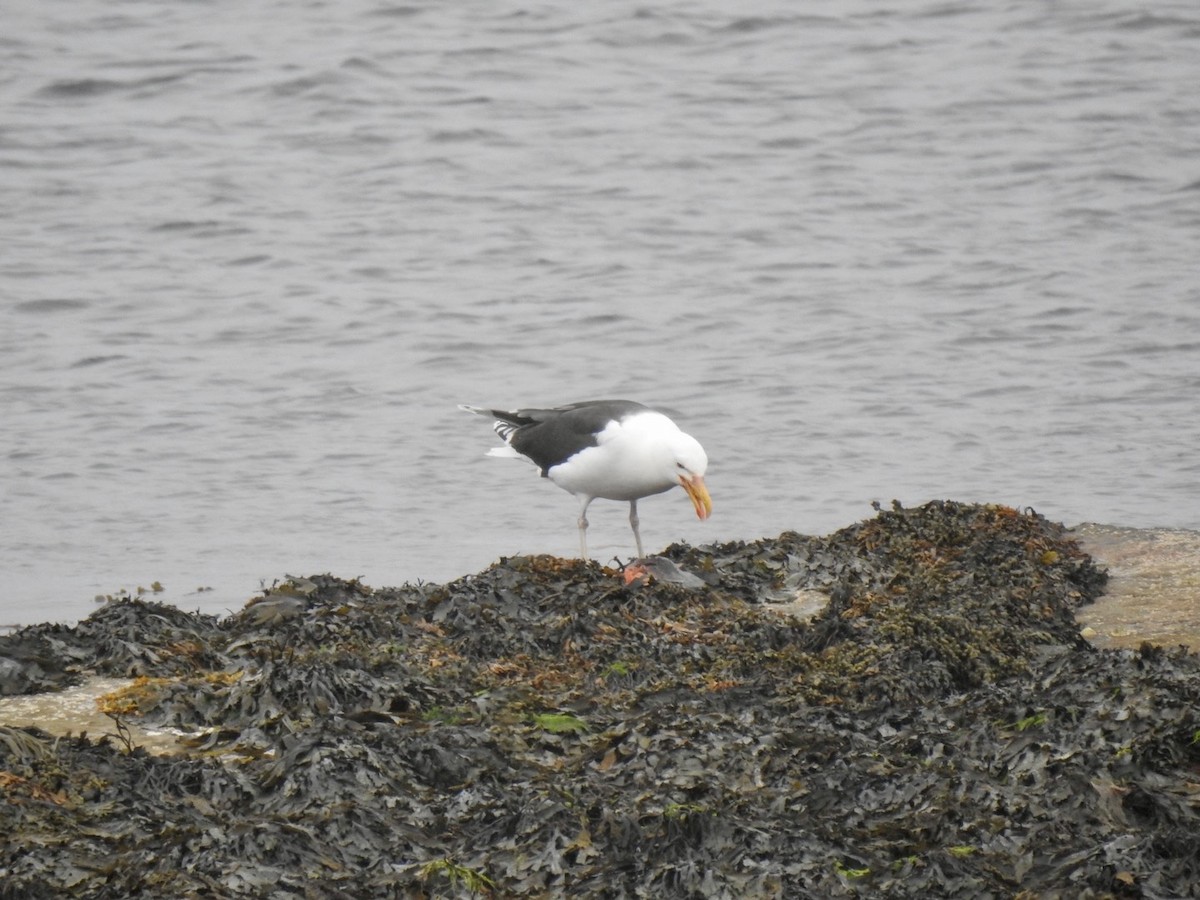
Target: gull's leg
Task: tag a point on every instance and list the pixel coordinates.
(583, 523)
(633, 523)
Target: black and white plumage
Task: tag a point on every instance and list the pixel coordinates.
(609, 449)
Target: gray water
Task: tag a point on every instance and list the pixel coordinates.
(252, 256)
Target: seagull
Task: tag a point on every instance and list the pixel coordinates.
(611, 449)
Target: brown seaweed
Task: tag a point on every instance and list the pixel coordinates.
(544, 729)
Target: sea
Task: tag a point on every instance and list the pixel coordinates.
(253, 256)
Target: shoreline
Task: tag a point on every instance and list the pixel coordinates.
(546, 727)
(1152, 595)
(1153, 592)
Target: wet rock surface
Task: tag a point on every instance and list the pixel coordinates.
(1153, 591)
(545, 729)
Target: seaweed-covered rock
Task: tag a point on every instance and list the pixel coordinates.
(128, 637)
(544, 728)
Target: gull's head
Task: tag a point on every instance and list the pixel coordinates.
(688, 465)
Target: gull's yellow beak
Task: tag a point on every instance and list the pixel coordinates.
(698, 493)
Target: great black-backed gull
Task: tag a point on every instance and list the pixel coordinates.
(612, 449)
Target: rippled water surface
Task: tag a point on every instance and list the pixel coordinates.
(251, 259)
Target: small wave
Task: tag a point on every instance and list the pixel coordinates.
(83, 88)
(96, 360)
(464, 135)
(51, 305)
